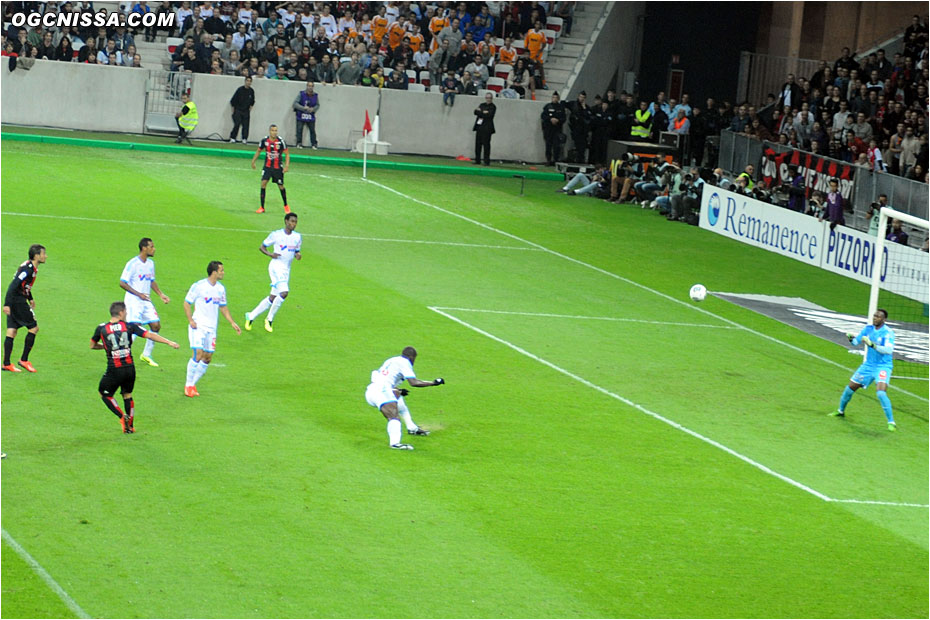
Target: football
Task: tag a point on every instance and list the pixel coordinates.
(698, 292)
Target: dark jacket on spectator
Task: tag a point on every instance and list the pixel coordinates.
(243, 99)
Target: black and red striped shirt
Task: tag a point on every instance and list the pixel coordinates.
(21, 286)
(117, 340)
(274, 149)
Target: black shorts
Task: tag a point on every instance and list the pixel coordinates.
(123, 378)
(275, 175)
(21, 315)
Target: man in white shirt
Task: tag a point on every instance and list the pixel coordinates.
(285, 247)
(138, 280)
(383, 393)
(208, 298)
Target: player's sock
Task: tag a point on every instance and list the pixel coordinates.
(7, 350)
(263, 198)
(200, 368)
(129, 407)
(886, 405)
(191, 365)
(263, 305)
(393, 429)
(275, 306)
(27, 346)
(283, 195)
(110, 402)
(844, 399)
(149, 345)
(408, 421)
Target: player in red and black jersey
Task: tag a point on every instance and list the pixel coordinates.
(19, 308)
(115, 337)
(274, 149)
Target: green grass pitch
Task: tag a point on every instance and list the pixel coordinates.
(603, 447)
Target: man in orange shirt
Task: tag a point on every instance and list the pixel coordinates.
(436, 24)
(396, 32)
(379, 25)
(416, 37)
(535, 44)
(508, 53)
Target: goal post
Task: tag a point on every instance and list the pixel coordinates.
(900, 286)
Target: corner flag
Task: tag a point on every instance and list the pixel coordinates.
(367, 128)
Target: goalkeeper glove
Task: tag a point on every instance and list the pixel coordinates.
(867, 341)
(850, 336)
(439, 381)
(403, 391)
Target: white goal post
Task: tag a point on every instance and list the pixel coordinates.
(885, 214)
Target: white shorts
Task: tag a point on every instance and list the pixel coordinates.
(280, 275)
(142, 312)
(200, 338)
(378, 394)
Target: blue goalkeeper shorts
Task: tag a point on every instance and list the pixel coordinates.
(867, 373)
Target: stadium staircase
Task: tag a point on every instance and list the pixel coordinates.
(568, 48)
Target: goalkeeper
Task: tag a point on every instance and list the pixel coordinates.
(879, 338)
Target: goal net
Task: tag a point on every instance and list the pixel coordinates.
(901, 287)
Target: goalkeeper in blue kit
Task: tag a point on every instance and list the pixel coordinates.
(879, 338)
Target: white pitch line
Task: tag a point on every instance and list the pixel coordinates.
(43, 574)
(260, 231)
(583, 318)
(865, 501)
(662, 418)
(636, 406)
(628, 281)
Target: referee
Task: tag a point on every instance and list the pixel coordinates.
(19, 308)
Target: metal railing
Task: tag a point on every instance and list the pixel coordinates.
(912, 197)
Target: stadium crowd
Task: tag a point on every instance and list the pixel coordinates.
(380, 44)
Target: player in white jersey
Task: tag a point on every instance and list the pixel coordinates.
(138, 280)
(285, 247)
(208, 298)
(384, 394)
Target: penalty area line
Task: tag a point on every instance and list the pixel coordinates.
(43, 574)
(874, 503)
(584, 318)
(258, 231)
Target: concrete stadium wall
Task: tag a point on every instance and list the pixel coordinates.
(59, 94)
(614, 48)
(56, 94)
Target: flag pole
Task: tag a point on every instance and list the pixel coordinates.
(365, 155)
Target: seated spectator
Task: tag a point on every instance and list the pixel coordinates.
(520, 79)
(740, 121)
(758, 131)
(46, 49)
(478, 71)
(248, 51)
(861, 128)
(300, 41)
(421, 60)
(818, 134)
(916, 173)
(64, 52)
(449, 88)
(103, 56)
(165, 9)
(128, 56)
(231, 66)
(242, 35)
(470, 85)
(325, 71)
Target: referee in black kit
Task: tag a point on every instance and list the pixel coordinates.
(19, 308)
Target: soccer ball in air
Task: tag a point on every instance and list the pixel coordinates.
(698, 292)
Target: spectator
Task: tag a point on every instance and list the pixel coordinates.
(104, 55)
(741, 120)
(453, 34)
(328, 21)
(242, 101)
(535, 43)
(916, 173)
(421, 59)
(165, 9)
(242, 35)
(484, 128)
(507, 54)
(758, 131)
(910, 147)
(300, 41)
(306, 105)
(450, 87)
(123, 39)
(142, 8)
(839, 119)
(796, 189)
(897, 234)
(846, 61)
(46, 49)
(349, 72)
(232, 65)
(128, 56)
(520, 79)
(180, 54)
(439, 62)
(478, 70)
(136, 61)
(64, 52)
(325, 72)
(790, 93)
(861, 128)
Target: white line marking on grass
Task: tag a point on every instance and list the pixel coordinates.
(627, 280)
(865, 501)
(636, 406)
(48, 579)
(584, 318)
(262, 231)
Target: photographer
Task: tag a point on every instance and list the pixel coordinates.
(815, 205)
(629, 171)
(796, 190)
(688, 198)
(874, 213)
(647, 189)
(596, 185)
(670, 184)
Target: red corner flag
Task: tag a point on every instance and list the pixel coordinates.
(367, 128)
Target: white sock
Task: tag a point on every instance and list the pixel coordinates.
(275, 307)
(393, 428)
(199, 369)
(191, 365)
(149, 345)
(263, 305)
(405, 414)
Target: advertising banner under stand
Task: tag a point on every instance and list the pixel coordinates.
(817, 171)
